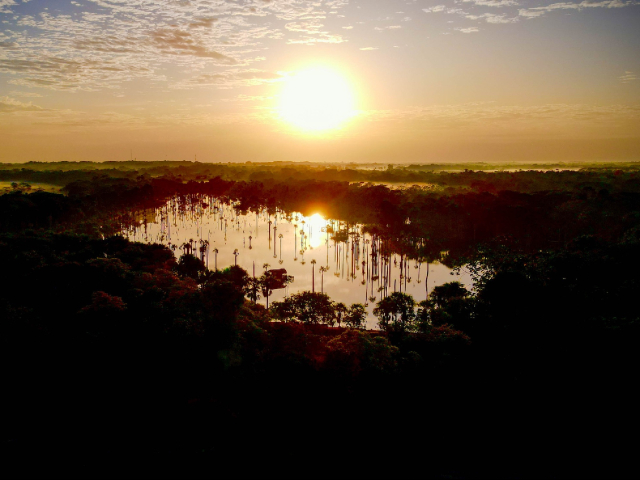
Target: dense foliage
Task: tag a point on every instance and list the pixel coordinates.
(116, 349)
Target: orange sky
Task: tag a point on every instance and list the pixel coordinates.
(432, 81)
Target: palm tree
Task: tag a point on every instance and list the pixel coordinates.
(235, 254)
(313, 276)
(215, 251)
(204, 249)
(280, 237)
(265, 282)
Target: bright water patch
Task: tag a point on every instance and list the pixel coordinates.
(321, 254)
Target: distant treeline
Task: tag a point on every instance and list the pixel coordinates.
(455, 222)
(614, 177)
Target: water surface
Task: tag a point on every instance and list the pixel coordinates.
(321, 254)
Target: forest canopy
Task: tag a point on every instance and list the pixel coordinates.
(548, 332)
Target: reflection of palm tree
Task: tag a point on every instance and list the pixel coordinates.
(265, 266)
(235, 254)
(250, 237)
(215, 251)
(426, 280)
(322, 270)
(295, 239)
(275, 229)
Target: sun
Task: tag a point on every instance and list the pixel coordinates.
(316, 99)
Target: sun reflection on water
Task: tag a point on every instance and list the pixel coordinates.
(316, 228)
(322, 254)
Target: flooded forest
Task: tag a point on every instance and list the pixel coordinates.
(258, 320)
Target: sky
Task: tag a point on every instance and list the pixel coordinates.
(429, 81)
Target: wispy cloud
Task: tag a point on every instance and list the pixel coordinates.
(231, 79)
(390, 27)
(492, 3)
(16, 93)
(493, 18)
(5, 4)
(508, 15)
(486, 116)
(11, 105)
(435, 9)
(538, 11)
(628, 77)
(102, 44)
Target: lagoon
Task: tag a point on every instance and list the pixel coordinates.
(343, 260)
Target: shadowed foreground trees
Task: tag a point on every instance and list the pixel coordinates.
(306, 307)
(117, 352)
(355, 352)
(396, 313)
(113, 353)
(314, 308)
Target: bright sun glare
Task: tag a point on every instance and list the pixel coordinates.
(316, 99)
(317, 223)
